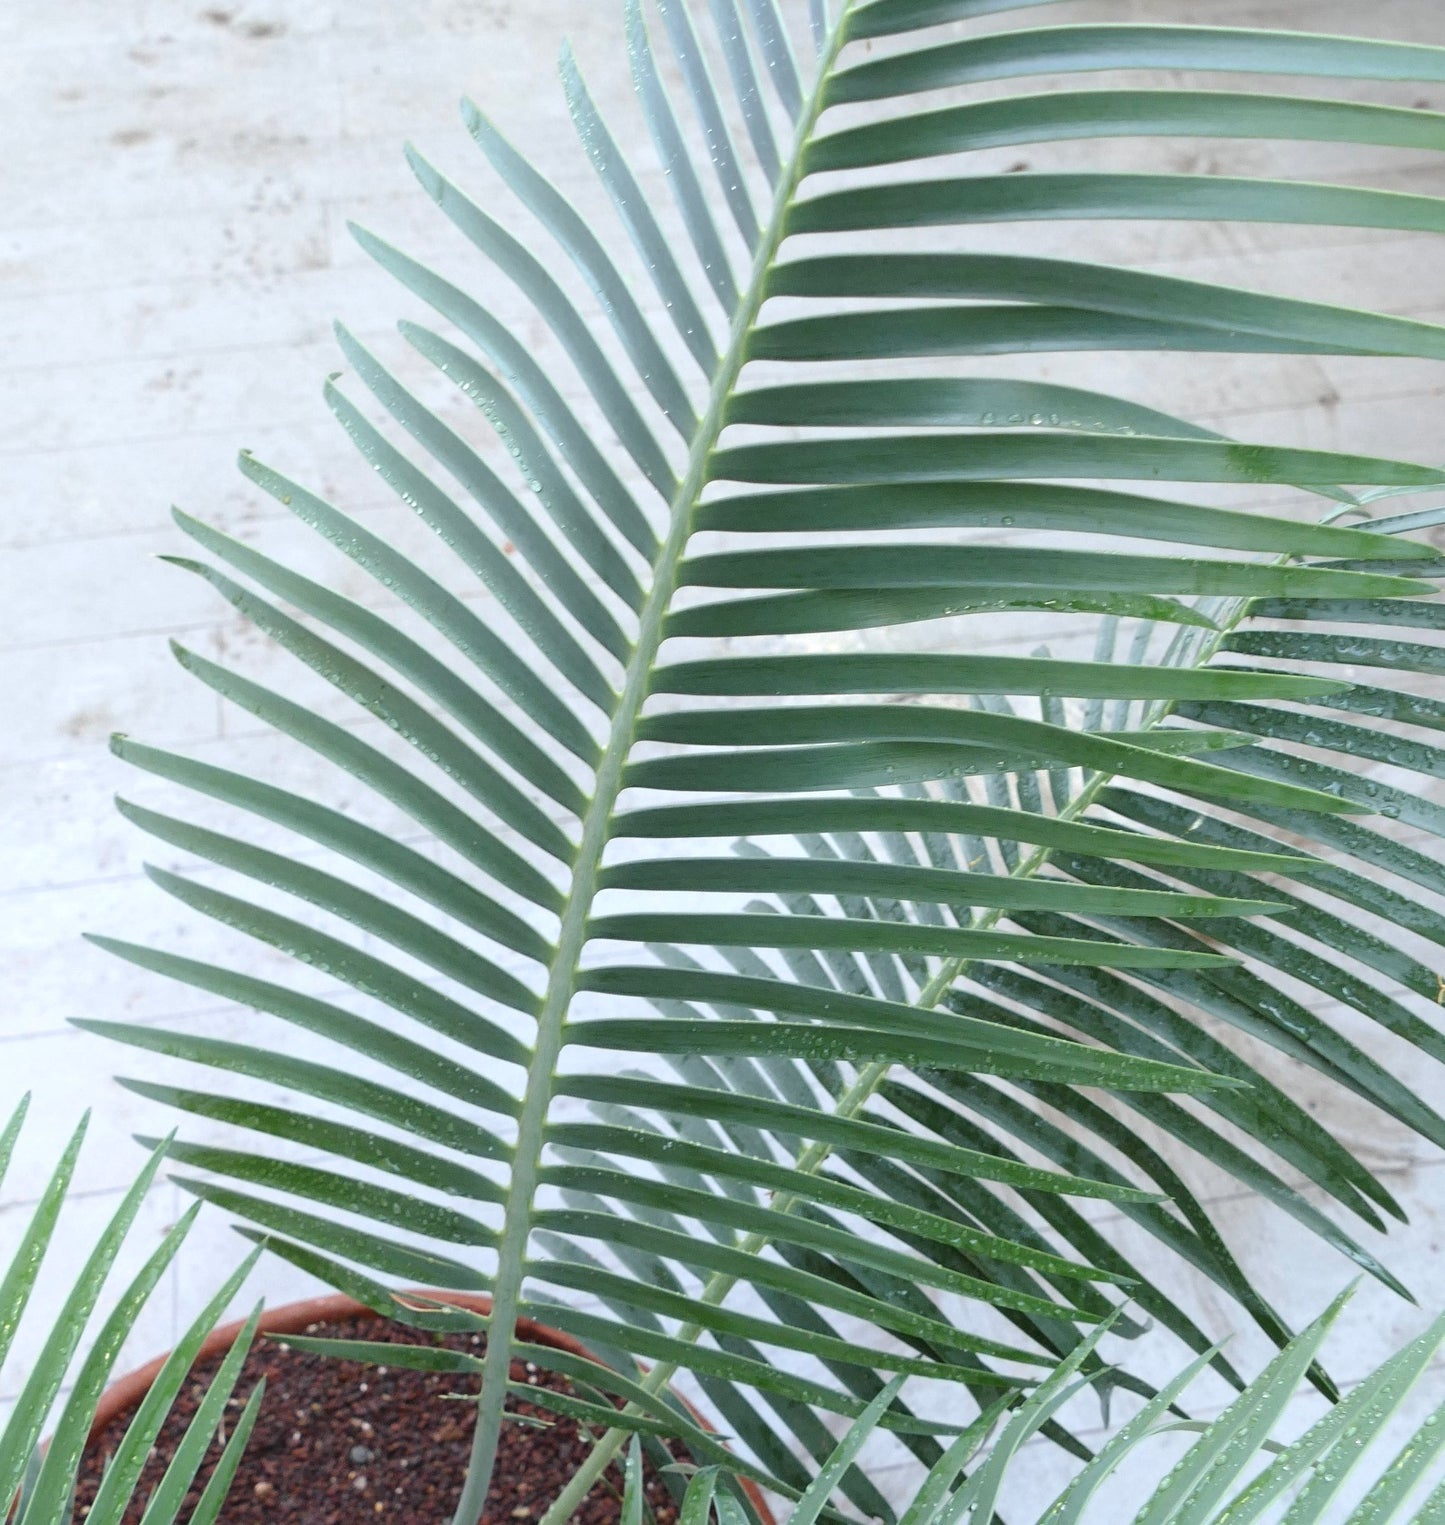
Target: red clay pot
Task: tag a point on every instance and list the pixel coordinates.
(124, 1395)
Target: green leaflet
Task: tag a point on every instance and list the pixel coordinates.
(670, 1152)
(510, 255)
(473, 839)
(1220, 1478)
(1047, 50)
(450, 616)
(846, 1132)
(881, 18)
(572, 232)
(933, 457)
(781, 875)
(788, 1228)
(1029, 505)
(363, 844)
(980, 330)
(799, 613)
(490, 562)
(431, 738)
(1076, 114)
(366, 911)
(994, 1046)
(1242, 1428)
(385, 1103)
(938, 673)
(1104, 289)
(1024, 198)
(761, 818)
(870, 566)
(811, 1504)
(380, 1204)
(633, 208)
(124, 1470)
(37, 1483)
(355, 1145)
(572, 1267)
(703, 231)
(936, 741)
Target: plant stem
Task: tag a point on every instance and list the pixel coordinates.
(596, 831)
(684, 505)
(852, 1100)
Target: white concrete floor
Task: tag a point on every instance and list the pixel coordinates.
(176, 184)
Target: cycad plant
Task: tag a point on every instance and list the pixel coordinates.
(781, 961)
(45, 1432)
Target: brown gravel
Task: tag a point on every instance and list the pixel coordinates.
(338, 1443)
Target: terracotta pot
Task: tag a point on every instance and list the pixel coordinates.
(124, 1395)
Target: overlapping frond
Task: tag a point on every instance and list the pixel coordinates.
(748, 561)
(1217, 1481)
(62, 1370)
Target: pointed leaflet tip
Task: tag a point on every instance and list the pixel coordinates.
(473, 118)
(1337, 1306)
(430, 344)
(429, 179)
(352, 347)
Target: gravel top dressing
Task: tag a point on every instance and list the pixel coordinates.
(339, 1443)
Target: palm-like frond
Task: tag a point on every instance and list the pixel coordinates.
(1232, 1474)
(37, 1482)
(966, 860)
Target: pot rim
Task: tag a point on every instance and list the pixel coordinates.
(125, 1393)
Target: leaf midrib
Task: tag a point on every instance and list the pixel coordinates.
(596, 833)
(597, 819)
